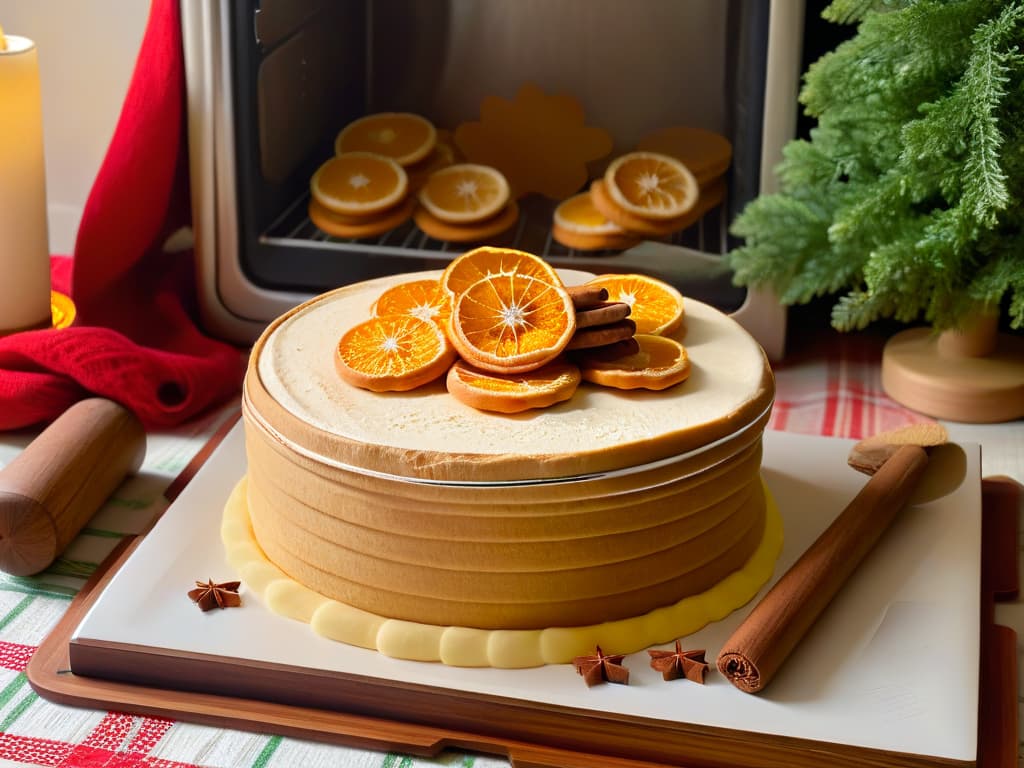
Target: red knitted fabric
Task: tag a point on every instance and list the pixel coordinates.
(134, 338)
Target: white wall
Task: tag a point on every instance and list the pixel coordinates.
(87, 51)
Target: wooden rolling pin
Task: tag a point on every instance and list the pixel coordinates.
(52, 488)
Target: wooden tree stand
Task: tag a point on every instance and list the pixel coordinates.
(975, 375)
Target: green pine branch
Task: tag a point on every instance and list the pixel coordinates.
(909, 194)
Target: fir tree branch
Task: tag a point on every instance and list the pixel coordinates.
(985, 192)
(910, 191)
(850, 11)
(782, 232)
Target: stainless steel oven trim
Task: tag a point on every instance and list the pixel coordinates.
(232, 306)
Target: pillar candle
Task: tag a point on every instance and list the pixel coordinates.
(24, 243)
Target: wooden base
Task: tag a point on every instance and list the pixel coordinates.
(916, 373)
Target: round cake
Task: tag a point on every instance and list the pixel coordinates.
(414, 524)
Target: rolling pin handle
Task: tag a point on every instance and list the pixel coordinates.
(53, 487)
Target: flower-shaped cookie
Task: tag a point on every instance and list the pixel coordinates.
(539, 141)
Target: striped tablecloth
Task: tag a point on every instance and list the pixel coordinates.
(832, 388)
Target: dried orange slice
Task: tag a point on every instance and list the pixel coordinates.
(402, 136)
(486, 231)
(511, 322)
(425, 299)
(578, 214)
(660, 363)
(474, 265)
(441, 156)
(656, 307)
(464, 193)
(705, 153)
(576, 223)
(357, 227)
(651, 185)
(359, 184)
(513, 392)
(393, 353)
(579, 242)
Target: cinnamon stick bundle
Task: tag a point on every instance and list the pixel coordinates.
(759, 646)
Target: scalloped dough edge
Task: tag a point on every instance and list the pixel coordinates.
(468, 647)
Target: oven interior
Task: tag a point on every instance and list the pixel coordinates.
(302, 69)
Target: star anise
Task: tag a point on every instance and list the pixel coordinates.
(601, 668)
(680, 663)
(208, 595)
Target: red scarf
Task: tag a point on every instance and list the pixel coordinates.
(135, 339)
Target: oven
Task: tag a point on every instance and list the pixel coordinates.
(272, 82)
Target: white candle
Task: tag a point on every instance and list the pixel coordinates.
(24, 243)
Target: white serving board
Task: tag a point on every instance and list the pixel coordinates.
(892, 665)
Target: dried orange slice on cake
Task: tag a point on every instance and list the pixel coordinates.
(511, 322)
(359, 184)
(651, 185)
(425, 299)
(465, 193)
(513, 392)
(474, 265)
(403, 136)
(393, 353)
(655, 306)
(659, 364)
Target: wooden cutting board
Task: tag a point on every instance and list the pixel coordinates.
(360, 698)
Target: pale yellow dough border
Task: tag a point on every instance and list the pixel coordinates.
(465, 647)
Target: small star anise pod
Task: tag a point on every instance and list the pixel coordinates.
(680, 663)
(601, 668)
(208, 595)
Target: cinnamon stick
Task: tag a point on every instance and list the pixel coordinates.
(584, 296)
(759, 646)
(602, 314)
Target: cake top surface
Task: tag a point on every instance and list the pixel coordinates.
(292, 388)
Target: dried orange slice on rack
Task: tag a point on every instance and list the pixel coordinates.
(425, 299)
(512, 322)
(359, 184)
(655, 306)
(706, 154)
(487, 231)
(576, 223)
(465, 193)
(441, 156)
(474, 265)
(358, 227)
(513, 392)
(403, 136)
(660, 363)
(651, 185)
(578, 214)
(393, 353)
